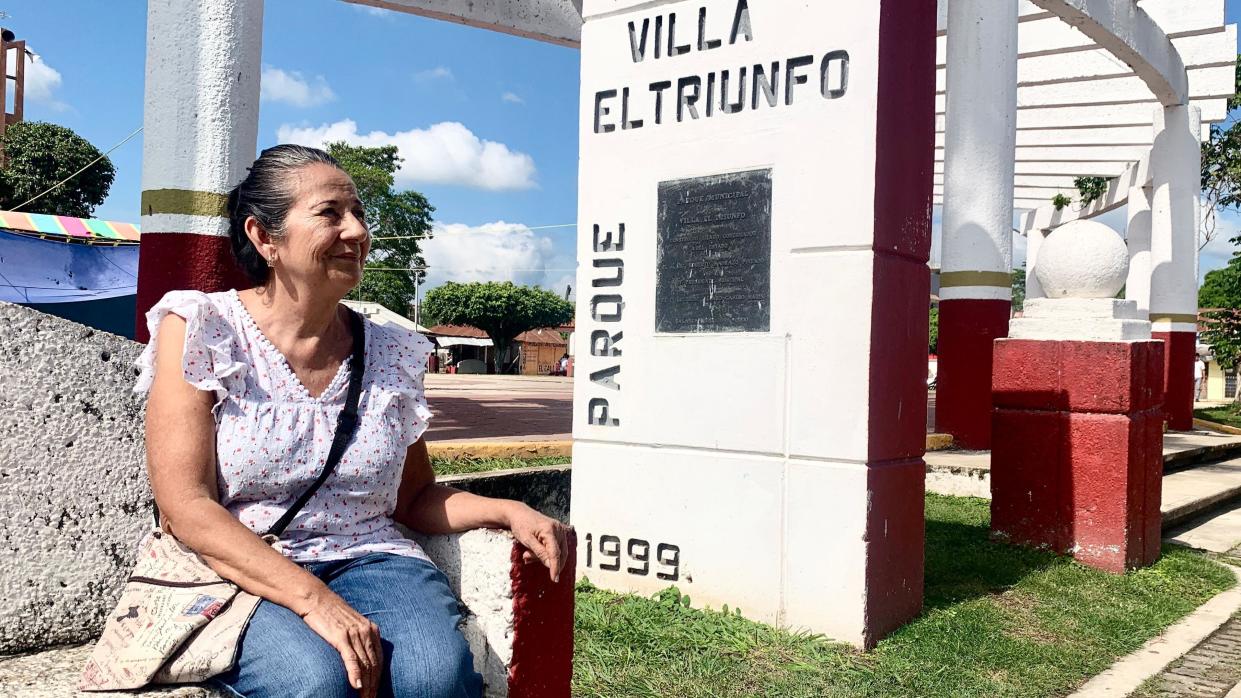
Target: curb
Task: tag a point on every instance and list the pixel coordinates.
(548, 449)
(1199, 507)
(1215, 426)
(500, 449)
(1131, 671)
(1189, 458)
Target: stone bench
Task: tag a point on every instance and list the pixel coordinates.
(74, 501)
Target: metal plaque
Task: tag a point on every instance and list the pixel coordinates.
(713, 271)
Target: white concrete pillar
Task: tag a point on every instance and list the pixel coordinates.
(200, 131)
(1034, 241)
(1138, 237)
(706, 187)
(1175, 171)
(977, 256)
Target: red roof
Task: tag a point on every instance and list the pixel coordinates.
(540, 336)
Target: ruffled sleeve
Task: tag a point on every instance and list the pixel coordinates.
(399, 362)
(208, 362)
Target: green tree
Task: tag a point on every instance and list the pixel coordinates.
(1019, 289)
(502, 310)
(1221, 167)
(1220, 297)
(39, 155)
(933, 341)
(398, 220)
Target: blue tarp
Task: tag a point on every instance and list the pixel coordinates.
(34, 271)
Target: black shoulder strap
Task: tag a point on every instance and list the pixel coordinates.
(346, 423)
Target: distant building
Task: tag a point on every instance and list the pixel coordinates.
(81, 269)
(534, 353)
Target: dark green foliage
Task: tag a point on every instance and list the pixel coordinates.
(37, 155)
(405, 215)
(1019, 289)
(502, 310)
(1220, 299)
(933, 342)
(1060, 201)
(1091, 189)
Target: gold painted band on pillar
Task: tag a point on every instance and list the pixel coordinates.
(993, 279)
(1190, 318)
(185, 202)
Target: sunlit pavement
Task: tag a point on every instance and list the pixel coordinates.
(531, 408)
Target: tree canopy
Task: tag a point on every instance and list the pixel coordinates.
(398, 220)
(1221, 167)
(502, 310)
(38, 155)
(1220, 299)
(1220, 294)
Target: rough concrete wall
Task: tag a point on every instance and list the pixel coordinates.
(479, 571)
(73, 491)
(544, 489)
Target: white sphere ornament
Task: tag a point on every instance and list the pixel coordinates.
(1082, 259)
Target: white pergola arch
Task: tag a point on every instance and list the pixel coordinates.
(1090, 75)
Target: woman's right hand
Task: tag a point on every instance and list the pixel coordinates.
(351, 634)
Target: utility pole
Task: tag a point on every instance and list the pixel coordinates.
(13, 67)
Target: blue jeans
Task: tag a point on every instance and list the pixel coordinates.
(425, 654)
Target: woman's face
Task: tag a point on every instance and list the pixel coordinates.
(326, 239)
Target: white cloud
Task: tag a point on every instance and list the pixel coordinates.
(496, 251)
(512, 98)
(444, 153)
(292, 88)
(439, 72)
(42, 81)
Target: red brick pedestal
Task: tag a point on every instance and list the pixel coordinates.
(1076, 460)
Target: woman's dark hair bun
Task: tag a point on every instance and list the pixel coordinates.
(267, 193)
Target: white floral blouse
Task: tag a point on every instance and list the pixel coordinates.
(272, 437)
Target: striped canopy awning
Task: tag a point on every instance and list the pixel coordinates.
(86, 230)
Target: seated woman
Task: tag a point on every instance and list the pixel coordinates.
(245, 388)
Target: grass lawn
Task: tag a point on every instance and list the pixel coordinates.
(468, 466)
(999, 621)
(1224, 414)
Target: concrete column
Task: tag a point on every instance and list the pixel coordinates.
(1138, 237)
(1034, 240)
(977, 256)
(200, 133)
(1175, 171)
(713, 215)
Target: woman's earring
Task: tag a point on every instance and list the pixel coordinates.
(271, 261)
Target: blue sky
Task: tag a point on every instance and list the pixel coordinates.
(507, 104)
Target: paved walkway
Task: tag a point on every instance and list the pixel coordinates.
(500, 408)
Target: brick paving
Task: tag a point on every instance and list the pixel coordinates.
(1209, 670)
(500, 408)
(508, 407)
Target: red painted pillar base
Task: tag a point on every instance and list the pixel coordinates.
(178, 261)
(1180, 352)
(967, 331)
(542, 663)
(1077, 462)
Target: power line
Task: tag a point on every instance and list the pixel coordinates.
(480, 271)
(57, 185)
(475, 232)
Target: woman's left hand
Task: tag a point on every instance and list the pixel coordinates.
(545, 538)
